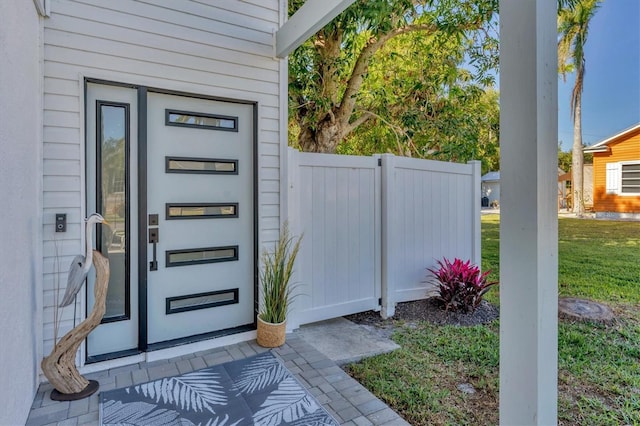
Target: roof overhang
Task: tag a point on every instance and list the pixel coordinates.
(602, 146)
(592, 149)
(313, 15)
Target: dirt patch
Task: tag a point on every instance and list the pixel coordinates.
(428, 310)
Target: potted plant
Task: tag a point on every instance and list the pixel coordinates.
(275, 289)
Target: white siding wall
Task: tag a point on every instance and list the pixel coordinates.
(20, 180)
(217, 47)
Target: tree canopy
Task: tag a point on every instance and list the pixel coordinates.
(425, 94)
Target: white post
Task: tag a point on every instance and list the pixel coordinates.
(292, 216)
(311, 17)
(387, 216)
(528, 223)
(476, 232)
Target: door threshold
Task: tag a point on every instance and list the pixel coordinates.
(111, 363)
(199, 346)
(168, 353)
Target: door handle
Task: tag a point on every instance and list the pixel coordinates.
(154, 238)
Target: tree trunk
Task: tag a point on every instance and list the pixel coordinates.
(324, 138)
(577, 163)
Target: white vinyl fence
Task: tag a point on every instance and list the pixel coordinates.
(372, 225)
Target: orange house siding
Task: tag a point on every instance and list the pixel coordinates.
(627, 148)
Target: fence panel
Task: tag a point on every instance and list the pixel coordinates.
(430, 212)
(335, 203)
(372, 225)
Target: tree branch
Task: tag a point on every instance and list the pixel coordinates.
(357, 122)
(360, 68)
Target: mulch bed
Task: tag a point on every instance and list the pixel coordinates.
(431, 311)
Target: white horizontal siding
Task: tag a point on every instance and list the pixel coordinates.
(152, 20)
(54, 134)
(217, 48)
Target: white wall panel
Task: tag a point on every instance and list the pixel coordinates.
(220, 48)
(20, 192)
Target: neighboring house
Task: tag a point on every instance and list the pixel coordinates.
(616, 175)
(491, 188)
(565, 194)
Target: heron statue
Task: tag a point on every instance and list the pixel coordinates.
(81, 263)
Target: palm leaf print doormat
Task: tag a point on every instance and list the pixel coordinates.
(254, 391)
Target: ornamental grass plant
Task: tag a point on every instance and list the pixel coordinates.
(276, 289)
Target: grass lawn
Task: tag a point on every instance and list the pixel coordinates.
(599, 366)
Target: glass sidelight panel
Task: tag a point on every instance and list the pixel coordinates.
(200, 165)
(193, 302)
(201, 120)
(202, 210)
(201, 255)
(113, 202)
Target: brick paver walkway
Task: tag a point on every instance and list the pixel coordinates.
(348, 401)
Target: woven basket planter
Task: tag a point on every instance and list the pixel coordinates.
(271, 335)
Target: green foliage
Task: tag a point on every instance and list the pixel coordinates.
(387, 76)
(424, 104)
(275, 277)
(564, 158)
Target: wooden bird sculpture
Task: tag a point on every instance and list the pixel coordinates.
(81, 264)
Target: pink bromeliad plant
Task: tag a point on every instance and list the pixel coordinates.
(461, 285)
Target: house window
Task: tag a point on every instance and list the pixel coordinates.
(630, 179)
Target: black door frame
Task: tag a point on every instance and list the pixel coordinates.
(142, 95)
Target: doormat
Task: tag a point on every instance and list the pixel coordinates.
(254, 391)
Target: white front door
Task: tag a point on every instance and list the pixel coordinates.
(177, 187)
(200, 205)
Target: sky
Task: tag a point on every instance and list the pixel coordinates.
(611, 96)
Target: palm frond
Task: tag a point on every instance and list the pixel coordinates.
(139, 413)
(259, 374)
(194, 391)
(288, 403)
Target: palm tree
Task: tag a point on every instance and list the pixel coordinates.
(573, 27)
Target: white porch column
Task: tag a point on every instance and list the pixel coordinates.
(312, 15)
(528, 224)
